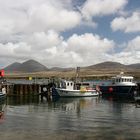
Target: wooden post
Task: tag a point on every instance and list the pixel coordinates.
(20, 89)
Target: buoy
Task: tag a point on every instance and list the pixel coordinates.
(110, 89)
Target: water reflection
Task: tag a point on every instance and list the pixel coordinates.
(2, 109)
(70, 118)
(22, 100)
(77, 104)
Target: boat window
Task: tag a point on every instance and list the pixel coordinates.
(67, 84)
(113, 81)
(119, 80)
(85, 84)
(71, 84)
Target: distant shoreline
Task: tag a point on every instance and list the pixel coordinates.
(87, 74)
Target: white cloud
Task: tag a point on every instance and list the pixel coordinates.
(47, 16)
(78, 50)
(127, 57)
(86, 43)
(130, 54)
(128, 24)
(28, 16)
(133, 45)
(42, 40)
(102, 7)
(31, 29)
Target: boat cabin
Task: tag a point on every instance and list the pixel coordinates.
(127, 80)
(67, 85)
(70, 85)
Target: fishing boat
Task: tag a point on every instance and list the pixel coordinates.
(120, 86)
(72, 89)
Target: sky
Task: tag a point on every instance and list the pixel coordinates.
(69, 33)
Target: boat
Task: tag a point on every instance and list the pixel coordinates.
(2, 93)
(72, 89)
(120, 86)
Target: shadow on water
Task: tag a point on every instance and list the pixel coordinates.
(22, 100)
(118, 99)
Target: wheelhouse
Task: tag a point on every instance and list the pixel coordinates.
(123, 80)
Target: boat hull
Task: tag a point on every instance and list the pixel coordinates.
(2, 96)
(76, 93)
(118, 91)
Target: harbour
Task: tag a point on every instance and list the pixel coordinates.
(53, 117)
(70, 106)
(28, 86)
(70, 70)
(69, 118)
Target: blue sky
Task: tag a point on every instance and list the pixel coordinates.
(69, 33)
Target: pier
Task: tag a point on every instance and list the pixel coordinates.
(25, 86)
(32, 86)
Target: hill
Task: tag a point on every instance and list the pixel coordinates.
(134, 66)
(28, 66)
(12, 67)
(107, 65)
(61, 69)
(34, 66)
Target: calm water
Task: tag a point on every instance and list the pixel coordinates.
(69, 119)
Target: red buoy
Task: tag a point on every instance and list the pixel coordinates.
(110, 89)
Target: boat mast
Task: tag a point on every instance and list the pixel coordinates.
(77, 74)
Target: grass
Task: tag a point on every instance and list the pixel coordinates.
(84, 73)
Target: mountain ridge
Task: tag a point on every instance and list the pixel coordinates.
(34, 66)
(27, 66)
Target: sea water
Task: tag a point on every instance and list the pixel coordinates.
(88, 118)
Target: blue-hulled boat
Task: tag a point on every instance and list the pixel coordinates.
(120, 86)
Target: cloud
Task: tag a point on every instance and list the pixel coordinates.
(80, 50)
(126, 57)
(128, 24)
(130, 54)
(29, 16)
(47, 16)
(133, 45)
(42, 40)
(33, 29)
(82, 44)
(77, 50)
(53, 50)
(93, 8)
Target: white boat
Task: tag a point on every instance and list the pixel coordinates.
(70, 89)
(3, 93)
